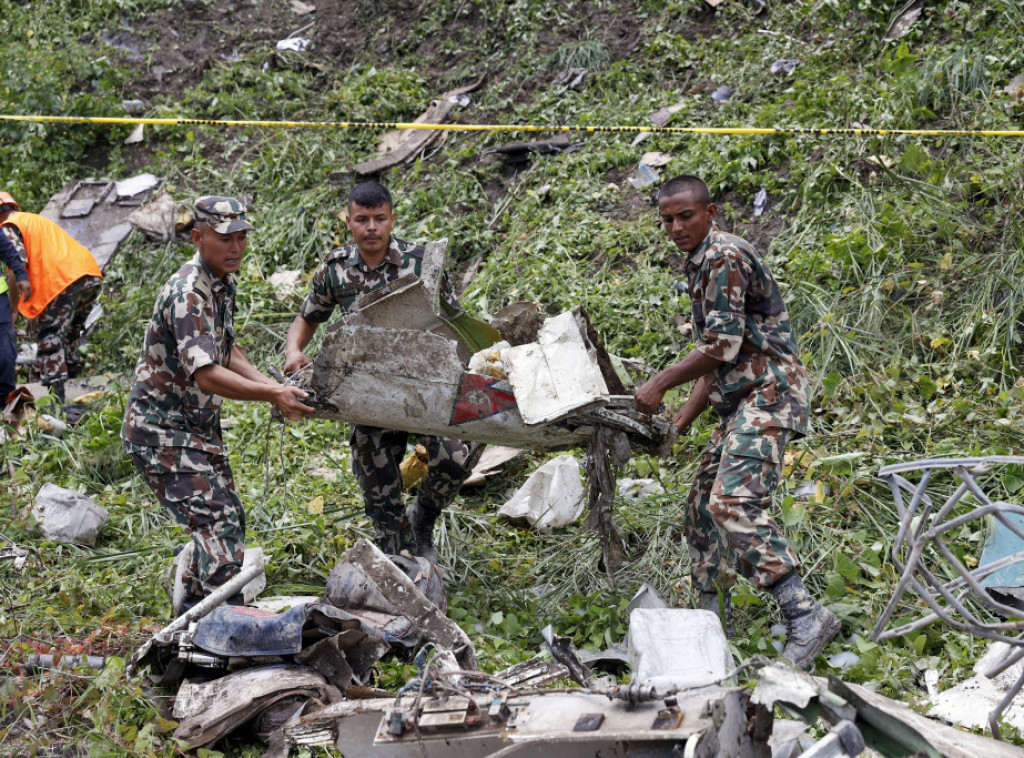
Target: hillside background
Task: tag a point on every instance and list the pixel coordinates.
(900, 258)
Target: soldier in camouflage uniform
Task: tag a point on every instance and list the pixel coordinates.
(189, 364)
(61, 324)
(746, 367)
(373, 259)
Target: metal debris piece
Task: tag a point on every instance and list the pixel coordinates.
(723, 93)
(570, 79)
(924, 560)
(903, 20)
(413, 604)
(404, 145)
(971, 702)
(760, 201)
(68, 516)
(490, 463)
(517, 154)
(784, 65)
(664, 114)
(564, 651)
(677, 648)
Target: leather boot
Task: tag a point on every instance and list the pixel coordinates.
(422, 522)
(809, 625)
(708, 601)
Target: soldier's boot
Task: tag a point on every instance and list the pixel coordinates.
(809, 625)
(422, 522)
(708, 601)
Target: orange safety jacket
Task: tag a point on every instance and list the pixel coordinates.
(55, 260)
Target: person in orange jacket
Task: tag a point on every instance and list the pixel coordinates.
(64, 281)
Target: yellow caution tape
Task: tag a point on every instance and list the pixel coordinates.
(517, 127)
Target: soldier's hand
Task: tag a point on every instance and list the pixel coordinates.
(289, 402)
(648, 398)
(26, 290)
(294, 361)
(682, 420)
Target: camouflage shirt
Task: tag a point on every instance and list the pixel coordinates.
(13, 234)
(739, 317)
(343, 277)
(192, 326)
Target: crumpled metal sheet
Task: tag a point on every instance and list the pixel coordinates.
(243, 631)
(210, 710)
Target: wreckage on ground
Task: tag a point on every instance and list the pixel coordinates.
(303, 678)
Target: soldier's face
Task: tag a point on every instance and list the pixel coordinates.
(222, 252)
(686, 221)
(370, 228)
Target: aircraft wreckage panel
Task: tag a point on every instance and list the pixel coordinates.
(415, 381)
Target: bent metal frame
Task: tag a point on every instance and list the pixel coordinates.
(952, 591)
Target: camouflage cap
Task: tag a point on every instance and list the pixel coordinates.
(225, 215)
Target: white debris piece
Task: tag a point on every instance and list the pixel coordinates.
(551, 497)
(298, 44)
(557, 374)
(136, 184)
(677, 648)
(68, 516)
(285, 282)
(637, 488)
(970, 702)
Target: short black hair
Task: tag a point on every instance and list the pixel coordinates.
(7, 207)
(370, 195)
(686, 183)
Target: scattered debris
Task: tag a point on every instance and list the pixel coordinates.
(570, 79)
(136, 136)
(655, 159)
(403, 145)
(301, 8)
(760, 200)
(645, 597)
(157, 219)
(96, 213)
(664, 114)
(784, 65)
(296, 44)
(645, 176)
(551, 497)
(638, 488)
(136, 185)
(904, 19)
(414, 467)
(723, 93)
(133, 107)
(490, 463)
(517, 154)
(68, 516)
(971, 702)
(285, 282)
(677, 648)
(1015, 87)
(924, 560)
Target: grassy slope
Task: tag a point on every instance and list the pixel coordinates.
(900, 259)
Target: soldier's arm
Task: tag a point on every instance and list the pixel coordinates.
(299, 334)
(695, 404)
(217, 380)
(242, 366)
(694, 366)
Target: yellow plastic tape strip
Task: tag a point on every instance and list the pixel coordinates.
(517, 127)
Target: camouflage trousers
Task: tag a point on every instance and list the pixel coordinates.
(727, 524)
(376, 457)
(61, 326)
(199, 491)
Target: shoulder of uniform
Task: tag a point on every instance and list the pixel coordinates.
(414, 249)
(340, 253)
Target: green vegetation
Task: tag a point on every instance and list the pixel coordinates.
(901, 259)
